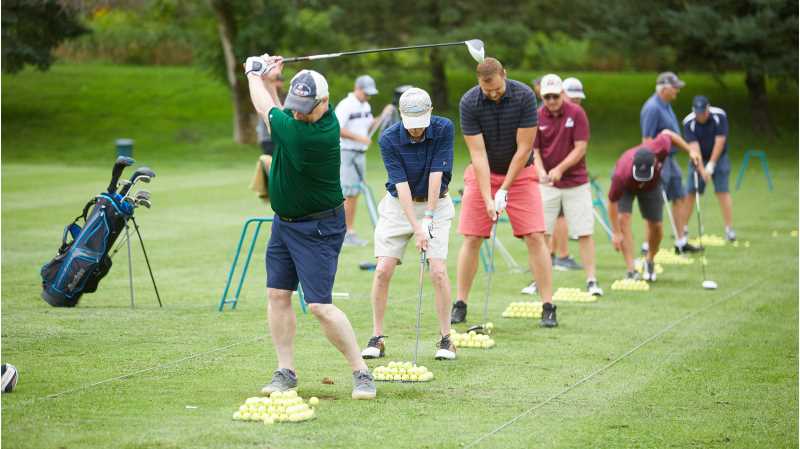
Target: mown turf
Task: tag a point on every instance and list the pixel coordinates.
(724, 377)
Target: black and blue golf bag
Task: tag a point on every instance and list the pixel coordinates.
(82, 259)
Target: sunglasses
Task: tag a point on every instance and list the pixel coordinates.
(551, 97)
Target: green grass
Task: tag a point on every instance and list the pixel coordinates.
(724, 377)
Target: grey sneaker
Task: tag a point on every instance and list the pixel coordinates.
(594, 288)
(730, 235)
(566, 264)
(363, 385)
(633, 275)
(282, 380)
(351, 239)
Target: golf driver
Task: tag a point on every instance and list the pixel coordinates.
(419, 300)
(116, 172)
(481, 328)
(708, 284)
(474, 46)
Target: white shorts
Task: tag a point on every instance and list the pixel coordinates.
(576, 202)
(393, 231)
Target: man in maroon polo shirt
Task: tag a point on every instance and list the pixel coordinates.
(638, 174)
(560, 157)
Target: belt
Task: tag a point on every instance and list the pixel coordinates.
(316, 215)
(424, 199)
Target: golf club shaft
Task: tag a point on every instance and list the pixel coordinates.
(669, 213)
(419, 300)
(699, 221)
(490, 273)
(361, 52)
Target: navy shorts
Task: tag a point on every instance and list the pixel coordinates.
(651, 203)
(306, 252)
(671, 179)
(721, 176)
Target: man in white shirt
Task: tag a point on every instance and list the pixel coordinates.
(356, 124)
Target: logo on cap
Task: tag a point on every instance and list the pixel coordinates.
(301, 89)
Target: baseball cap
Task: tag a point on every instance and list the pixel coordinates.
(308, 88)
(367, 84)
(551, 84)
(643, 165)
(700, 104)
(415, 108)
(573, 88)
(669, 78)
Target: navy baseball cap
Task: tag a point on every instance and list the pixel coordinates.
(307, 90)
(644, 162)
(700, 104)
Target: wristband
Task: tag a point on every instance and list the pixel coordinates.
(429, 213)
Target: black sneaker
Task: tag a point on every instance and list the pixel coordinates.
(687, 248)
(375, 348)
(459, 312)
(548, 315)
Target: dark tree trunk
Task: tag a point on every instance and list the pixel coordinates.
(438, 81)
(759, 107)
(243, 113)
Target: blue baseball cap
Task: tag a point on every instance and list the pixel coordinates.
(700, 104)
(307, 90)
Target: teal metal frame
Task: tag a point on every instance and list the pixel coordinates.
(258, 221)
(762, 156)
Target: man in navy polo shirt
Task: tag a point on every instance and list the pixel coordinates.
(418, 155)
(656, 116)
(706, 129)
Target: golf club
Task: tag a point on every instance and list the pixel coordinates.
(669, 213)
(116, 172)
(140, 173)
(474, 46)
(708, 284)
(481, 328)
(419, 300)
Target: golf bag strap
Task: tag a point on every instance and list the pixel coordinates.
(67, 228)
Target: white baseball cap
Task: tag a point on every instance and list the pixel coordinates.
(574, 88)
(551, 84)
(367, 84)
(308, 88)
(415, 108)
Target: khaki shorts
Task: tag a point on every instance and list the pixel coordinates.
(393, 231)
(576, 203)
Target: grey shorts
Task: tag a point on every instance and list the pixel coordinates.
(352, 171)
(672, 179)
(651, 204)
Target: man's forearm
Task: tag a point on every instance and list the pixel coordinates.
(574, 156)
(517, 164)
(434, 185)
(261, 98)
(719, 144)
(480, 164)
(613, 216)
(406, 203)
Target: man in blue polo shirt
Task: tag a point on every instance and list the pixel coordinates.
(656, 116)
(706, 130)
(418, 155)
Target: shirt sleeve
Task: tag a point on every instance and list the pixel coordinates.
(581, 131)
(649, 122)
(529, 116)
(688, 134)
(443, 155)
(470, 125)
(391, 160)
(342, 114)
(661, 146)
(722, 127)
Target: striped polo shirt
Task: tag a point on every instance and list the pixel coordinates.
(498, 121)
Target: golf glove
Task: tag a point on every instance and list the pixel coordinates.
(710, 168)
(427, 226)
(257, 65)
(500, 200)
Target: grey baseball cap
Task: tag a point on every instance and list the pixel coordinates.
(669, 79)
(367, 84)
(307, 90)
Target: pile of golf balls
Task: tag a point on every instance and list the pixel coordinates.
(279, 407)
(472, 339)
(630, 284)
(525, 309)
(402, 372)
(669, 258)
(708, 240)
(573, 294)
(639, 265)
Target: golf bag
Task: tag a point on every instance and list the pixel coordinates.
(82, 261)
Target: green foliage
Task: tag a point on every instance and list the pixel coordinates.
(557, 51)
(32, 29)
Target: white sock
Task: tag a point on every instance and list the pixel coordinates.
(681, 242)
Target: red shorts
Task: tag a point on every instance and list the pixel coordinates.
(524, 204)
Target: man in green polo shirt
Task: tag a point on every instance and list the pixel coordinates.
(309, 226)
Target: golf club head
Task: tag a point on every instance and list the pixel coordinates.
(143, 194)
(476, 49)
(709, 285)
(143, 202)
(479, 329)
(136, 176)
(116, 172)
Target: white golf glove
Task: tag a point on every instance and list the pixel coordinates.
(710, 168)
(257, 65)
(427, 224)
(500, 200)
